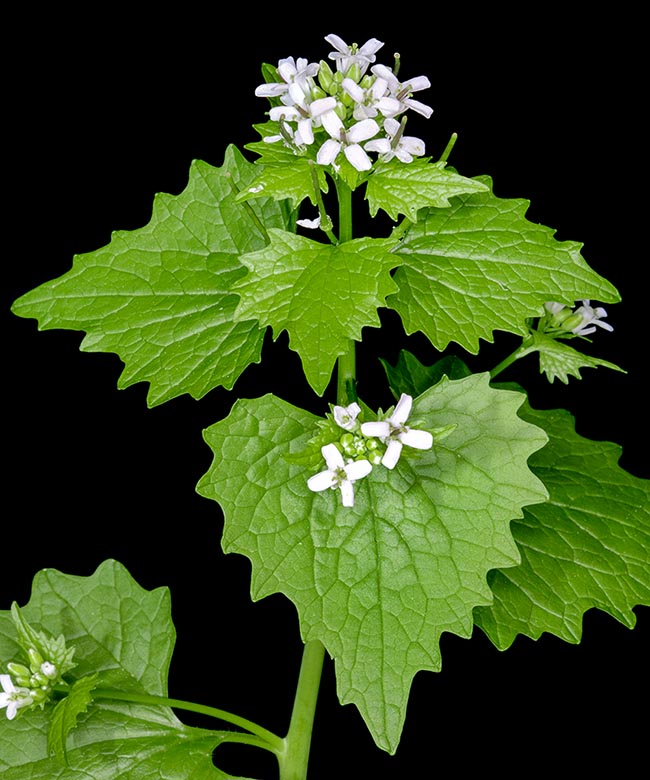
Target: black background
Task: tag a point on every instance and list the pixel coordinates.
(105, 111)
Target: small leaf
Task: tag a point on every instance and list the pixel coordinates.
(404, 189)
(65, 714)
(378, 583)
(558, 360)
(323, 295)
(480, 266)
(160, 297)
(293, 182)
(587, 547)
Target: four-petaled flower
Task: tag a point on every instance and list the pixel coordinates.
(396, 433)
(347, 56)
(402, 91)
(590, 317)
(13, 698)
(348, 140)
(293, 73)
(346, 416)
(404, 147)
(339, 474)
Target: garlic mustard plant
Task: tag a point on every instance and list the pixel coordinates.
(460, 506)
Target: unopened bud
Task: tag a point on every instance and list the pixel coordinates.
(35, 659)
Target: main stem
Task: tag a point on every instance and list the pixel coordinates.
(294, 759)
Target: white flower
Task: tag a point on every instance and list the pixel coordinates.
(346, 416)
(291, 72)
(371, 101)
(396, 433)
(305, 114)
(339, 474)
(13, 698)
(348, 140)
(347, 56)
(402, 91)
(590, 317)
(404, 147)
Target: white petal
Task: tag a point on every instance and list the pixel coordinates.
(357, 157)
(286, 112)
(320, 106)
(379, 88)
(387, 74)
(273, 89)
(362, 131)
(391, 456)
(345, 416)
(7, 683)
(605, 325)
(389, 106)
(402, 410)
(297, 94)
(328, 152)
(420, 440)
(418, 107)
(391, 126)
(380, 429)
(381, 145)
(416, 84)
(332, 123)
(347, 493)
(338, 43)
(312, 224)
(321, 481)
(353, 90)
(304, 134)
(332, 456)
(412, 145)
(357, 469)
(287, 68)
(370, 47)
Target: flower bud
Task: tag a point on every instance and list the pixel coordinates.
(35, 659)
(353, 72)
(326, 78)
(49, 670)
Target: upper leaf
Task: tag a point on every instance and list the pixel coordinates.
(480, 266)
(160, 297)
(404, 189)
(123, 639)
(588, 546)
(323, 295)
(379, 582)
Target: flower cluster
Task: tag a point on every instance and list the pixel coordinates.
(29, 686)
(561, 321)
(349, 111)
(364, 445)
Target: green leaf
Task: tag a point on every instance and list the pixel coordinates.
(290, 178)
(558, 360)
(160, 297)
(480, 266)
(404, 189)
(587, 547)
(411, 377)
(323, 295)
(379, 582)
(123, 638)
(65, 714)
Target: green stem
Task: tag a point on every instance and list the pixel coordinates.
(294, 759)
(522, 351)
(325, 221)
(263, 738)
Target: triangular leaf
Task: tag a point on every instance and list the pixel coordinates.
(587, 547)
(323, 295)
(480, 266)
(123, 639)
(160, 297)
(404, 189)
(379, 582)
(559, 361)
